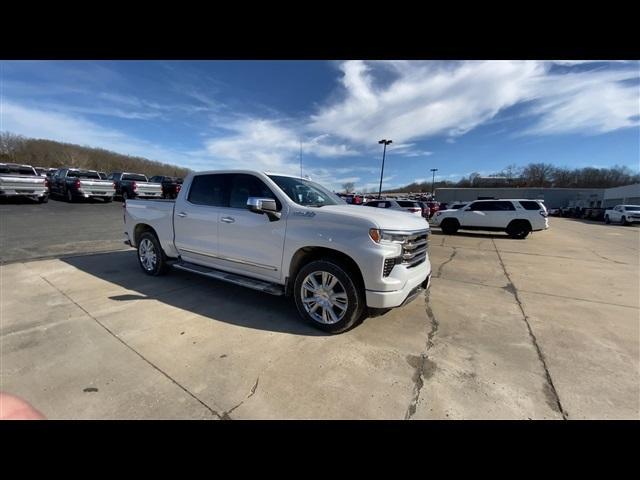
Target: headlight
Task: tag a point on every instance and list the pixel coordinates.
(383, 236)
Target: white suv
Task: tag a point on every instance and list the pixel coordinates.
(516, 217)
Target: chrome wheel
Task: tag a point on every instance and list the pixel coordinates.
(147, 254)
(324, 297)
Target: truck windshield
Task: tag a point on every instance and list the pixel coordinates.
(306, 193)
(16, 170)
(77, 174)
(135, 177)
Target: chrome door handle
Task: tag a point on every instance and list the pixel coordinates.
(227, 219)
(182, 214)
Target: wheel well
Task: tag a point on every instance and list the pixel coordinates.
(140, 229)
(308, 254)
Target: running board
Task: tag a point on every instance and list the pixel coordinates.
(259, 285)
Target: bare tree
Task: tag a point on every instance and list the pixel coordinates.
(348, 187)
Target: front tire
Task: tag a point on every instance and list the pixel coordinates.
(327, 297)
(449, 226)
(151, 258)
(623, 220)
(108, 199)
(44, 199)
(607, 220)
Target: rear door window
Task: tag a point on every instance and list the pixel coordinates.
(207, 190)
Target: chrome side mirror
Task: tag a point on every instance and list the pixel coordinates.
(267, 206)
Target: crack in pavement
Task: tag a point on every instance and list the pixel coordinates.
(424, 367)
(453, 254)
(550, 389)
(225, 415)
(184, 389)
(609, 259)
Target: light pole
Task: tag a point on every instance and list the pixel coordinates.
(433, 181)
(384, 151)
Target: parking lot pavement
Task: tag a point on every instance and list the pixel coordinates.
(29, 230)
(545, 327)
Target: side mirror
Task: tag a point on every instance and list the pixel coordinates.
(264, 205)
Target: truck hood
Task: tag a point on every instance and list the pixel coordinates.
(385, 219)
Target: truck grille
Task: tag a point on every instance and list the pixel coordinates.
(414, 250)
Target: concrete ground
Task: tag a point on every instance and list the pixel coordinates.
(542, 328)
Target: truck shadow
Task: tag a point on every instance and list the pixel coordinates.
(215, 300)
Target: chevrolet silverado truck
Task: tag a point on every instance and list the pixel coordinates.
(285, 235)
(134, 185)
(22, 181)
(623, 214)
(74, 183)
(516, 217)
(170, 185)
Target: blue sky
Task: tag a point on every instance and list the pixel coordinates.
(459, 117)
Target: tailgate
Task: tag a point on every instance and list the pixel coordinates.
(97, 187)
(26, 184)
(149, 189)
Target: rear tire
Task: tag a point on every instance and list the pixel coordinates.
(449, 226)
(623, 220)
(70, 198)
(125, 196)
(519, 229)
(607, 220)
(331, 308)
(151, 258)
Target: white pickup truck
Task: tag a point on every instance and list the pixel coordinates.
(623, 214)
(22, 181)
(285, 235)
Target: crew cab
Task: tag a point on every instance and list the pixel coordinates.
(170, 185)
(623, 214)
(516, 217)
(74, 183)
(285, 235)
(134, 185)
(22, 181)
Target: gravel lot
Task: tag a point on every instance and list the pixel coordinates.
(542, 328)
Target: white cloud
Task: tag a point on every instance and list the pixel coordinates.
(37, 123)
(270, 145)
(439, 98)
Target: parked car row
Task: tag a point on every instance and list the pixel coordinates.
(70, 183)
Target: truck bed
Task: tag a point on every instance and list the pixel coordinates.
(157, 213)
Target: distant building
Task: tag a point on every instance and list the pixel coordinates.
(628, 194)
(552, 197)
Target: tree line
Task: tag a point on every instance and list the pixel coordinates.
(538, 175)
(51, 154)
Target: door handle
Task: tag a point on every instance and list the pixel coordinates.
(182, 214)
(227, 219)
